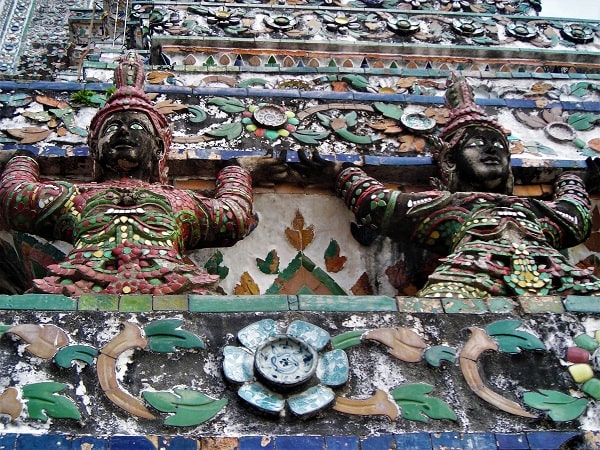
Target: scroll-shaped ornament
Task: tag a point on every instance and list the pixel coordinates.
(106, 368)
(403, 343)
(377, 405)
(44, 340)
(478, 343)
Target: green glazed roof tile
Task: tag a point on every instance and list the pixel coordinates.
(98, 302)
(232, 303)
(419, 304)
(170, 303)
(135, 303)
(464, 306)
(543, 304)
(577, 303)
(346, 303)
(42, 302)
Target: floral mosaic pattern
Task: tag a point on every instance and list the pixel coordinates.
(299, 368)
(270, 362)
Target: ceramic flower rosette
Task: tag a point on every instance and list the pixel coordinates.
(290, 368)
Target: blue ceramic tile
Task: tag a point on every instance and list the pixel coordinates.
(256, 443)
(300, 442)
(48, 441)
(342, 442)
(446, 440)
(130, 442)
(261, 92)
(169, 89)
(91, 442)
(327, 95)
(491, 102)
(376, 97)
(81, 151)
(591, 106)
(510, 441)
(479, 441)
(383, 441)
(519, 103)
(8, 441)
(549, 440)
(425, 99)
(53, 151)
(413, 441)
(177, 443)
(572, 105)
(101, 87)
(223, 92)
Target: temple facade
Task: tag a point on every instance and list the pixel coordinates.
(299, 224)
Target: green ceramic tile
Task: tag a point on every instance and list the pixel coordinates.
(98, 302)
(578, 303)
(42, 302)
(419, 304)
(501, 305)
(170, 303)
(464, 305)
(543, 304)
(346, 303)
(135, 303)
(235, 303)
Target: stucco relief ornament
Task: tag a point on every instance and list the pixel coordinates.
(279, 368)
(494, 243)
(129, 229)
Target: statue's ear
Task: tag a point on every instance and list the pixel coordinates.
(446, 160)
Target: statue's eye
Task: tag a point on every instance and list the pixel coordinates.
(136, 126)
(475, 143)
(498, 144)
(112, 128)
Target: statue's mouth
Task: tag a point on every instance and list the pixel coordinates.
(491, 160)
(124, 147)
(125, 164)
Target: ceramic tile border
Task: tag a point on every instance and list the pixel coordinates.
(547, 440)
(278, 303)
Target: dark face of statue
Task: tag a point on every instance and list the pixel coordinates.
(128, 146)
(482, 161)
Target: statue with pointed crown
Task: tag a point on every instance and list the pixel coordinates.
(129, 229)
(493, 243)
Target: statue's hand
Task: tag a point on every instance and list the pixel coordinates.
(7, 155)
(314, 169)
(592, 175)
(265, 170)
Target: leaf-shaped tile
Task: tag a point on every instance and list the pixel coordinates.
(238, 364)
(262, 398)
(560, 407)
(511, 340)
(42, 402)
(311, 401)
(311, 334)
(190, 408)
(256, 333)
(333, 368)
(164, 336)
